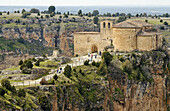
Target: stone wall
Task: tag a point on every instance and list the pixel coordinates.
(83, 42)
(124, 39)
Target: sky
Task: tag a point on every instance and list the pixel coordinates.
(85, 2)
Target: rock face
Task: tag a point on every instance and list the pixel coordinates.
(47, 35)
(122, 93)
(134, 82)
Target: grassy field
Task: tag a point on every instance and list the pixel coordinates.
(152, 21)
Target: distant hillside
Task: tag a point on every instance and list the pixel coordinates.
(21, 46)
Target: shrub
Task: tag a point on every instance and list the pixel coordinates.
(25, 14)
(86, 62)
(37, 63)
(21, 93)
(0, 13)
(2, 91)
(55, 77)
(20, 62)
(161, 20)
(67, 71)
(146, 21)
(33, 59)
(77, 55)
(6, 83)
(52, 14)
(26, 71)
(74, 70)
(94, 63)
(44, 103)
(165, 23)
(162, 28)
(102, 69)
(44, 56)
(80, 71)
(97, 64)
(46, 16)
(107, 57)
(43, 81)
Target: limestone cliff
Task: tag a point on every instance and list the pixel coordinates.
(47, 35)
(133, 82)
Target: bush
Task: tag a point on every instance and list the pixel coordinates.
(25, 14)
(6, 83)
(46, 16)
(52, 14)
(67, 71)
(86, 62)
(77, 55)
(33, 59)
(162, 28)
(21, 93)
(102, 69)
(26, 71)
(107, 57)
(20, 62)
(165, 23)
(55, 77)
(0, 13)
(94, 63)
(74, 70)
(44, 103)
(161, 20)
(2, 91)
(80, 71)
(37, 63)
(97, 64)
(43, 81)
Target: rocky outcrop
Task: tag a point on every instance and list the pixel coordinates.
(47, 35)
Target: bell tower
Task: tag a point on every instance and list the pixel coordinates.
(106, 29)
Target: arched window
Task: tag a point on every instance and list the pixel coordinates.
(104, 25)
(109, 25)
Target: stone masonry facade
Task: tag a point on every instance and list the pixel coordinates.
(126, 36)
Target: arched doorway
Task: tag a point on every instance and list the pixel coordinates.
(94, 49)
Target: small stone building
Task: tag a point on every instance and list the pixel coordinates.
(126, 36)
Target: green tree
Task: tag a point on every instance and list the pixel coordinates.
(95, 13)
(51, 9)
(2, 92)
(67, 71)
(102, 69)
(89, 14)
(20, 62)
(6, 83)
(34, 10)
(23, 10)
(44, 103)
(37, 63)
(121, 19)
(0, 13)
(80, 12)
(25, 14)
(8, 13)
(107, 57)
(165, 23)
(21, 93)
(95, 20)
(52, 14)
(55, 77)
(46, 16)
(86, 62)
(161, 20)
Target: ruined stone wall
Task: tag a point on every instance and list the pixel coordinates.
(83, 42)
(124, 39)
